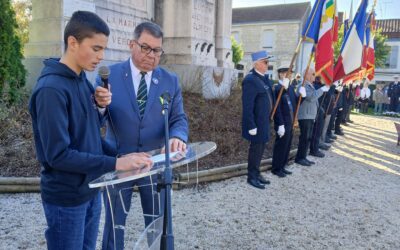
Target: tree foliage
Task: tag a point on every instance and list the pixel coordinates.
(381, 49)
(12, 72)
(23, 15)
(237, 51)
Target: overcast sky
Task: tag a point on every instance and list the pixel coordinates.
(385, 9)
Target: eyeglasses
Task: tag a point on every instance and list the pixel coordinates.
(266, 62)
(147, 49)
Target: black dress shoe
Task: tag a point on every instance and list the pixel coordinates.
(262, 180)
(324, 146)
(285, 171)
(303, 162)
(350, 121)
(328, 140)
(279, 173)
(345, 124)
(255, 183)
(339, 133)
(318, 154)
(332, 136)
(310, 162)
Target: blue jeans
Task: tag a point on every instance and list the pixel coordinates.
(73, 227)
(378, 108)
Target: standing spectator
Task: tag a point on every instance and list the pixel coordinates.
(394, 94)
(257, 104)
(364, 97)
(386, 100)
(378, 97)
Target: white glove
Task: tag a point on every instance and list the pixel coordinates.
(281, 130)
(302, 91)
(253, 131)
(285, 83)
(336, 83)
(325, 88)
(339, 88)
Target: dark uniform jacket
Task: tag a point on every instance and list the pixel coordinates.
(287, 106)
(257, 104)
(394, 90)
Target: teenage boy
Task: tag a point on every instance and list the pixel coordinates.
(69, 147)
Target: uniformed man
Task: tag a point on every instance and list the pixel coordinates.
(394, 94)
(257, 103)
(283, 119)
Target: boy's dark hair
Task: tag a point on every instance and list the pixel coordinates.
(149, 27)
(84, 24)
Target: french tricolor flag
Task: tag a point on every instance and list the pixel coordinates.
(369, 56)
(351, 53)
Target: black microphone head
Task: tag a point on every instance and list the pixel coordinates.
(104, 72)
(166, 96)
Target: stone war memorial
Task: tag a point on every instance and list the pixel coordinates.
(196, 37)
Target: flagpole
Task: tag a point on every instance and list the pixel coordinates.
(302, 84)
(288, 74)
(292, 62)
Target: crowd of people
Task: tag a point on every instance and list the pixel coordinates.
(319, 109)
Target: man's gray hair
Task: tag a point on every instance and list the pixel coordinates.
(149, 27)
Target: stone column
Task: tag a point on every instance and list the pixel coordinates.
(45, 35)
(223, 33)
(188, 31)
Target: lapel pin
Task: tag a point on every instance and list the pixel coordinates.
(155, 80)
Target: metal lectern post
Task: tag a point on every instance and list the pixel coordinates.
(167, 239)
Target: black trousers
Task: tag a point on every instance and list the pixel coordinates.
(317, 131)
(339, 119)
(332, 121)
(306, 127)
(282, 149)
(394, 102)
(256, 151)
(364, 105)
(347, 118)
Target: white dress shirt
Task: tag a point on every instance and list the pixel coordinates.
(136, 77)
(365, 93)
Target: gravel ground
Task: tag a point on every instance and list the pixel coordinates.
(349, 200)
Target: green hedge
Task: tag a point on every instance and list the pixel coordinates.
(12, 72)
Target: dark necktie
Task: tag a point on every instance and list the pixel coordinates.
(142, 95)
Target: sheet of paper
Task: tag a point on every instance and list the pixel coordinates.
(161, 157)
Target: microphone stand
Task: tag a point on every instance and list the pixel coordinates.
(167, 239)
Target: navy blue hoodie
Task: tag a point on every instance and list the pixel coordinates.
(66, 128)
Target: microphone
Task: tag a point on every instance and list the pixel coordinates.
(166, 97)
(104, 72)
